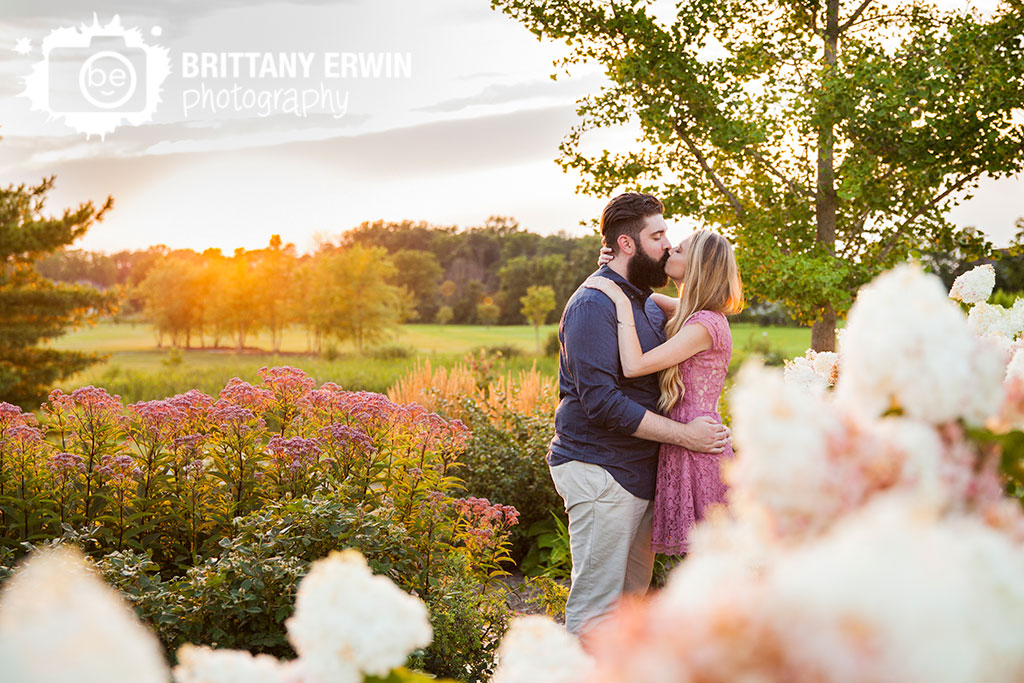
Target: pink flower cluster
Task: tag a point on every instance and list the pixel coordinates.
(66, 465)
(344, 436)
(233, 418)
(244, 395)
(119, 471)
(196, 407)
(11, 415)
(483, 514)
(287, 384)
(153, 422)
(480, 521)
(294, 454)
(86, 407)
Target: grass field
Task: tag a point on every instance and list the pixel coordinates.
(138, 370)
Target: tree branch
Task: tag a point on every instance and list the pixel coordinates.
(853, 17)
(737, 206)
(797, 189)
(924, 207)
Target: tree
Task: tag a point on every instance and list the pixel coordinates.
(274, 278)
(521, 272)
(353, 298)
(174, 294)
(537, 303)
(487, 312)
(419, 272)
(34, 309)
(827, 138)
(466, 299)
(444, 315)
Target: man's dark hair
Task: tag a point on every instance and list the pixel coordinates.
(625, 214)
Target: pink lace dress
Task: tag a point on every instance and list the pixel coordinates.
(689, 482)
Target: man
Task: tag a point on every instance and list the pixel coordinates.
(604, 456)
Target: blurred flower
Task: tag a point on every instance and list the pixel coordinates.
(59, 622)
(891, 356)
(537, 650)
(974, 286)
(800, 372)
(891, 593)
(200, 664)
(348, 622)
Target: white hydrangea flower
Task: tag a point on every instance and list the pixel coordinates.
(726, 551)
(1015, 368)
(348, 622)
(60, 622)
(200, 664)
(974, 286)
(894, 594)
(826, 365)
(783, 434)
(537, 650)
(992, 320)
(1016, 316)
(907, 345)
(800, 372)
(916, 451)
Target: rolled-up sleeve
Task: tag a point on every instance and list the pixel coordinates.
(590, 330)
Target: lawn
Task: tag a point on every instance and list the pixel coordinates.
(138, 370)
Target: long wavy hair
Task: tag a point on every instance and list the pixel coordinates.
(711, 283)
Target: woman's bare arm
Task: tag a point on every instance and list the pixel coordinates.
(668, 304)
(691, 339)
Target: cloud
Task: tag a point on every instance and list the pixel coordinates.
(498, 94)
(565, 90)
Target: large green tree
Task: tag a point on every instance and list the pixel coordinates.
(827, 138)
(352, 298)
(33, 309)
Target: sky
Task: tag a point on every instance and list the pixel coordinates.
(465, 124)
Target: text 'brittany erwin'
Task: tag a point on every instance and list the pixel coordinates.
(292, 65)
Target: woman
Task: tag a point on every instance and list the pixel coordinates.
(692, 363)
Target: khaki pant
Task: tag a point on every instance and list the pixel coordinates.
(610, 539)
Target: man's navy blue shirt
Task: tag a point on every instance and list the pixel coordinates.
(599, 408)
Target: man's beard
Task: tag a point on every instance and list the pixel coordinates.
(646, 273)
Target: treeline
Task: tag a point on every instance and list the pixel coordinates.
(479, 275)
(377, 275)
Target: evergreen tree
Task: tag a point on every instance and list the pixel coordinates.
(33, 309)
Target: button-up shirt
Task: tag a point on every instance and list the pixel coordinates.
(599, 408)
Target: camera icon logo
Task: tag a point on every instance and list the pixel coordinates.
(97, 78)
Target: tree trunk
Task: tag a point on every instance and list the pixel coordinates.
(823, 333)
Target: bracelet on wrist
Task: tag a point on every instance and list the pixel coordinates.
(622, 324)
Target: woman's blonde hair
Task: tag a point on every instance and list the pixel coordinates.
(711, 283)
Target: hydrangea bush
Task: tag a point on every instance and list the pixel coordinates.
(868, 536)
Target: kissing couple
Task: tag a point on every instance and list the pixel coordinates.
(638, 439)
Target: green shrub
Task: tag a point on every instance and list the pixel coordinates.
(549, 554)
(551, 345)
(505, 460)
(468, 624)
(390, 353)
